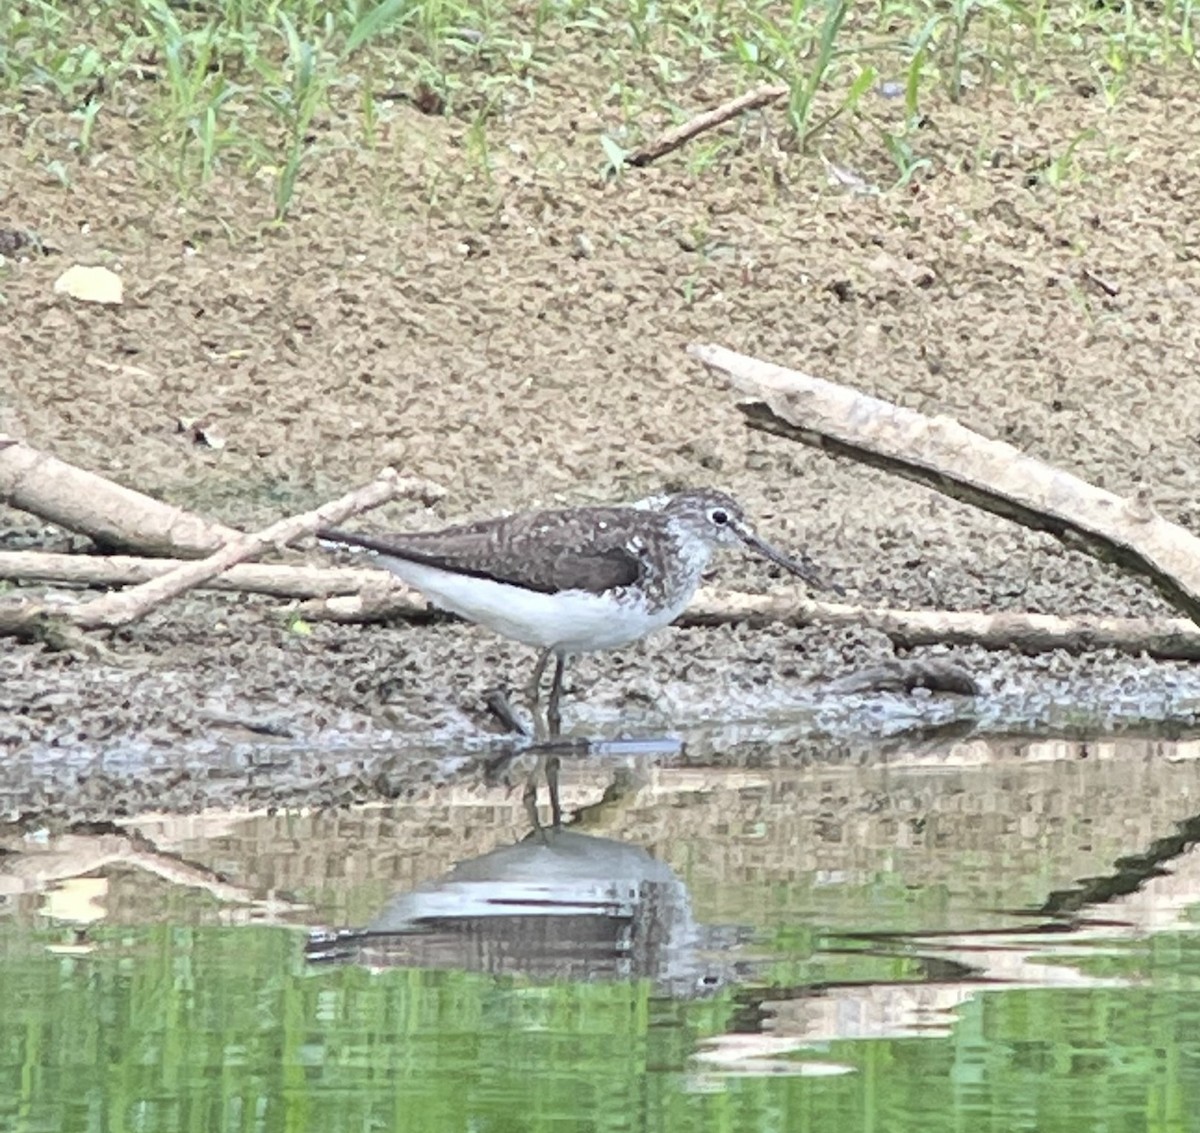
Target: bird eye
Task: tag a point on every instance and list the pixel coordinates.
(719, 516)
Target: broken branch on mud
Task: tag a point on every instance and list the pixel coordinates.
(281, 580)
(122, 607)
(947, 456)
(939, 452)
(679, 135)
(353, 595)
(1167, 639)
(112, 515)
(125, 606)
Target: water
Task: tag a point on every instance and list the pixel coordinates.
(995, 937)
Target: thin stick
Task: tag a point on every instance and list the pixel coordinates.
(283, 580)
(125, 606)
(677, 136)
(379, 597)
(1165, 638)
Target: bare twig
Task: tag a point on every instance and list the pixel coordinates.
(126, 606)
(1109, 289)
(959, 463)
(679, 135)
(280, 579)
(1168, 638)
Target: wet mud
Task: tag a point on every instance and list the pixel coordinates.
(479, 342)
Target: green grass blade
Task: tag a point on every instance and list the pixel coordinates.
(375, 21)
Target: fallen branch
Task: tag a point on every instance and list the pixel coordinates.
(677, 136)
(125, 606)
(371, 605)
(947, 456)
(278, 579)
(112, 515)
(1168, 638)
(358, 595)
(122, 607)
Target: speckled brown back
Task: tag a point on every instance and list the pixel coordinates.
(591, 549)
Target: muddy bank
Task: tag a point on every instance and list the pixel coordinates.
(217, 704)
(473, 343)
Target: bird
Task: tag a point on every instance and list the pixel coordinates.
(572, 580)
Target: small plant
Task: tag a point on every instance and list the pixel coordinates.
(961, 12)
(805, 86)
(915, 73)
(904, 158)
(196, 88)
(369, 113)
(1060, 170)
(296, 92)
(477, 148)
(87, 117)
(382, 16)
(614, 156)
(704, 155)
(1182, 17)
(294, 101)
(805, 56)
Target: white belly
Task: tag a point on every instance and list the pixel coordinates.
(571, 621)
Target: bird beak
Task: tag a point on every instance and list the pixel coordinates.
(803, 568)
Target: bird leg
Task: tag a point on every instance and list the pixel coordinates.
(529, 798)
(552, 766)
(533, 692)
(548, 764)
(553, 712)
(549, 727)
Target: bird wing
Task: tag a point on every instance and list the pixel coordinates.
(586, 549)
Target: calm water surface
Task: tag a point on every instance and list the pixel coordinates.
(971, 938)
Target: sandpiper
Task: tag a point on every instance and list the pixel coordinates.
(572, 580)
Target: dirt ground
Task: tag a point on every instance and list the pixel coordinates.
(519, 338)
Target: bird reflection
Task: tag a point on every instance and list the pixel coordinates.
(557, 905)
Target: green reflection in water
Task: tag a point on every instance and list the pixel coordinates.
(166, 1028)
